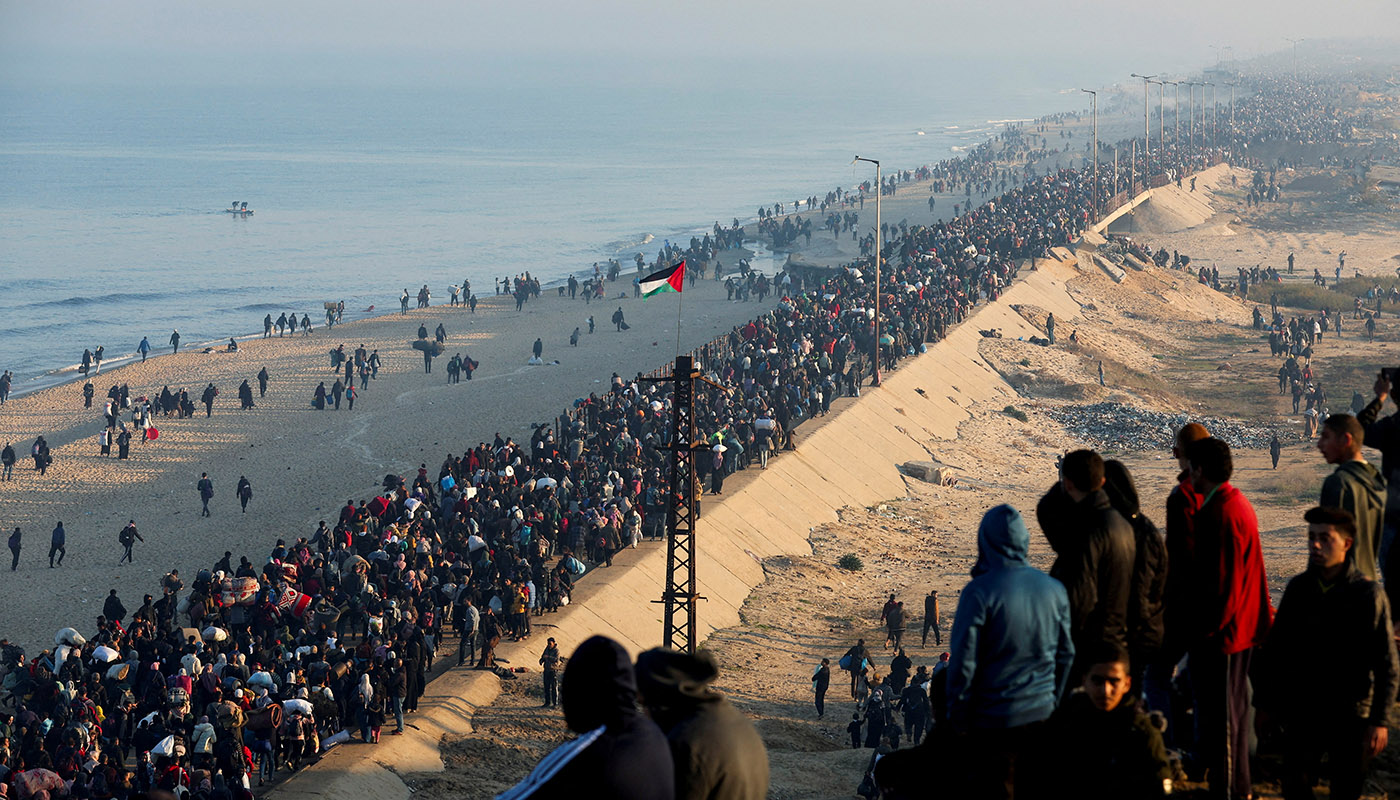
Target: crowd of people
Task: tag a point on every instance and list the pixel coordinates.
(1137, 659)
(255, 667)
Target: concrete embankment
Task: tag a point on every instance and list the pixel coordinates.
(849, 458)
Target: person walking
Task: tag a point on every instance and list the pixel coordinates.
(7, 462)
(550, 662)
(931, 619)
(174, 342)
(821, 681)
(128, 539)
(350, 394)
(41, 455)
(16, 541)
(244, 492)
(262, 382)
(56, 544)
(206, 493)
(123, 444)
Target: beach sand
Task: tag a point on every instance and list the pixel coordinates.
(302, 464)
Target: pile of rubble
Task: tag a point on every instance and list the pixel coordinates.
(1116, 426)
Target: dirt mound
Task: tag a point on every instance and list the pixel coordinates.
(1168, 210)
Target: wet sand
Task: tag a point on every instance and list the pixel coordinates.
(303, 464)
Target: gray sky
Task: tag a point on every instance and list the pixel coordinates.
(177, 40)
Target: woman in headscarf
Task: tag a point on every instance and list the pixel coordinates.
(364, 697)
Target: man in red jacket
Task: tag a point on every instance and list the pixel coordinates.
(1231, 617)
(1180, 589)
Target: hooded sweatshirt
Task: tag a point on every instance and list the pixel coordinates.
(1359, 488)
(619, 752)
(717, 752)
(1010, 644)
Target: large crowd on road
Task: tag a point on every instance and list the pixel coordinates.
(211, 686)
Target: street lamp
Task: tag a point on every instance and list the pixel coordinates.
(1295, 54)
(1146, 126)
(1095, 96)
(879, 256)
(1161, 129)
(1191, 113)
(1232, 110)
(1214, 115)
(1176, 112)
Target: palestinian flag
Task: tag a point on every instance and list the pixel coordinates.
(670, 279)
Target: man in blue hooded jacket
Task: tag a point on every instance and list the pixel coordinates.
(1010, 656)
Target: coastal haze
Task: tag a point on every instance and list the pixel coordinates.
(385, 148)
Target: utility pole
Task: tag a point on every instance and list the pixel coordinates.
(682, 511)
(1190, 113)
(1146, 123)
(1161, 127)
(1214, 116)
(1095, 96)
(1232, 110)
(1176, 112)
(1295, 55)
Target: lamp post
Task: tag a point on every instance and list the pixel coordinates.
(1295, 54)
(1161, 128)
(879, 256)
(1190, 113)
(1214, 115)
(1095, 96)
(1176, 112)
(1146, 126)
(1232, 113)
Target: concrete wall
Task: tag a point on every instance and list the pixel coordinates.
(849, 458)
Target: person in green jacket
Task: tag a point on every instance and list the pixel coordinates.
(1356, 487)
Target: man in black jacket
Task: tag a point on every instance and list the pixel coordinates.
(1328, 672)
(619, 752)
(1095, 552)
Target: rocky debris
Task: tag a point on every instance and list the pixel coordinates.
(928, 472)
(1118, 426)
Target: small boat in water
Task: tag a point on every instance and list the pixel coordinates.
(240, 209)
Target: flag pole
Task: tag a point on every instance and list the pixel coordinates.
(679, 300)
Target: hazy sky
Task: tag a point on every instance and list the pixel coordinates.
(194, 40)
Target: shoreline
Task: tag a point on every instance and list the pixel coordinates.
(58, 376)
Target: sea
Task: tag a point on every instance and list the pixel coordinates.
(113, 198)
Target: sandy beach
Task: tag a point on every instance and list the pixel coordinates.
(303, 464)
